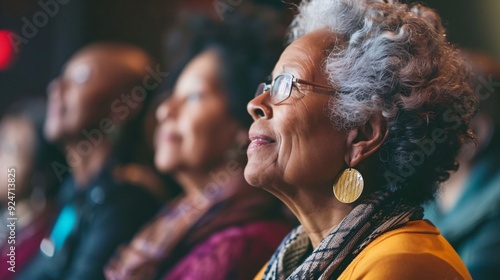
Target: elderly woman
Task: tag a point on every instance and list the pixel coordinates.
(219, 227)
(361, 123)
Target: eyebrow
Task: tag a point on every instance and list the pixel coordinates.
(284, 69)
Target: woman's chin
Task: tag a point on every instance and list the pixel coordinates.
(164, 164)
(253, 175)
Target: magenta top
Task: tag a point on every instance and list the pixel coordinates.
(233, 253)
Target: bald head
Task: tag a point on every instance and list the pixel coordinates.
(124, 58)
(96, 84)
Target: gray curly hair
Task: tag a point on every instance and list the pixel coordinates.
(396, 61)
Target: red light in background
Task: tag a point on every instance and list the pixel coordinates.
(6, 50)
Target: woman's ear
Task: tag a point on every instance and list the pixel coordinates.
(366, 139)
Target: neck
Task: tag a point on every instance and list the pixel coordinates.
(194, 182)
(318, 213)
(86, 167)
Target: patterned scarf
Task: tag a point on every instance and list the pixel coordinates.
(377, 214)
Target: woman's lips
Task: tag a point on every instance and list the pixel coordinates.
(55, 109)
(171, 137)
(257, 141)
(166, 136)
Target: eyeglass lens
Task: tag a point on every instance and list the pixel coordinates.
(281, 88)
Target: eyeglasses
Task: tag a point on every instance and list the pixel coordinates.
(281, 88)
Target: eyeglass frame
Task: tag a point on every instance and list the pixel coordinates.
(268, 87)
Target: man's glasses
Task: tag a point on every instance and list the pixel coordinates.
(281, 88)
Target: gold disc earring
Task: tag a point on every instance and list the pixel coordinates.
(348, 186)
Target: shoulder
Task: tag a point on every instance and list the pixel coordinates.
(236, 252)
(115, 190)
(415, 251)
(251, 240)
(258, 233)
(113, 205)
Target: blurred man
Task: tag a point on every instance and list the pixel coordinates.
(90, 105)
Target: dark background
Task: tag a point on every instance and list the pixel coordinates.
(474, 25)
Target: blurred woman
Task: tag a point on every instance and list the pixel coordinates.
(219, 227)
(467, 209)
(30, 199)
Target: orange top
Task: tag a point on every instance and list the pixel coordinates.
(415, 251)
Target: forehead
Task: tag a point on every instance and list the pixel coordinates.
(202, 69)
(304, 57)
(17, 129)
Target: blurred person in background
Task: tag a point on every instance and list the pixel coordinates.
(93, 114)
(467, 210)
(219, 227)
(24, 149)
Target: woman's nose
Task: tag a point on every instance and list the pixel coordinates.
(260, 107)
(54, 87)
